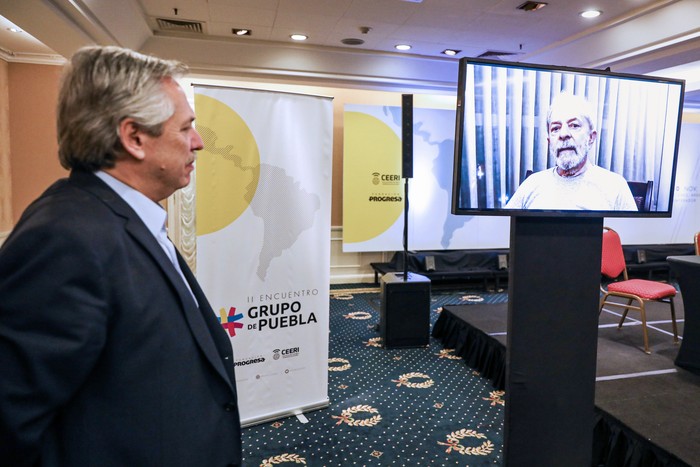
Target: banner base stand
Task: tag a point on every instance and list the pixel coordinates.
(271, 417)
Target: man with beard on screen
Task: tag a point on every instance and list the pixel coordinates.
(574, 182)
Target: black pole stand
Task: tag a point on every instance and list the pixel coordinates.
(404, 318)
(405, 230)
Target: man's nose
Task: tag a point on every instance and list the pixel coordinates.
(197, 142)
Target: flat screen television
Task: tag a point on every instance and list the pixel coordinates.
(557, 141)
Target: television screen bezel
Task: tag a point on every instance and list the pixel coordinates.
(502, 211)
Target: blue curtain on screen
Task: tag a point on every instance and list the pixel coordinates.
(507, 108)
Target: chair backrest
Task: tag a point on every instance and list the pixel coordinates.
(696, 241)
(613, 258)
(642, 193)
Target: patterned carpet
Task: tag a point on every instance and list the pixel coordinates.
(399, 407)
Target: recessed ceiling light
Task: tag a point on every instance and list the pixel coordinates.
(402, 47)
(451, 52)
(299, 37)
(241, 32)
(14, 29)
(591, 13)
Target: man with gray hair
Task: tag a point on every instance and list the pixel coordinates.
(574, 182)
(110, 353)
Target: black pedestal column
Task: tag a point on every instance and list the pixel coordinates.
(552, 340)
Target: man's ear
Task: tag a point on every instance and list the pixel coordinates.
(132, 138)
(592, 137)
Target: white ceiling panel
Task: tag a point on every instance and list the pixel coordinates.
(639, 36)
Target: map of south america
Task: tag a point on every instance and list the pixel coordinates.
(282, 224)
(284, 217)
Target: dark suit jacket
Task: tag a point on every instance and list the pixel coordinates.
(105, 360)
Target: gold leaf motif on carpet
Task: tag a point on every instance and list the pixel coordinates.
(472, 298)
(404, 380)
(449, 354)
(283, 459)
(374, 342)
(496, 398)
(342, 296)
(358, 315)
(454, 443)
(345, 364)
(346, 416)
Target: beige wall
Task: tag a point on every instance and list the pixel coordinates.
(34, 165)
(6, 221)
(28, 149)
(33, 91)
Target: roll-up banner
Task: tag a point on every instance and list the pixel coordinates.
(263, 191)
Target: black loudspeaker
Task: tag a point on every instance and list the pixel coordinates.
(407, 135)
(404, 319)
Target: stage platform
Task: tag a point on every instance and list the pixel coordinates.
(647, 409)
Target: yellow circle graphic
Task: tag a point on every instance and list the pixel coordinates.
(373, 195)
(228, 168)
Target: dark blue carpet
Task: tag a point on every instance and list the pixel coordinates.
(402, 407)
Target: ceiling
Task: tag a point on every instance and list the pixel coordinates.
(659, 37)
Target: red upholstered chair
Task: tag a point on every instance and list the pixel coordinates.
(696, 241)
(633, 292)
